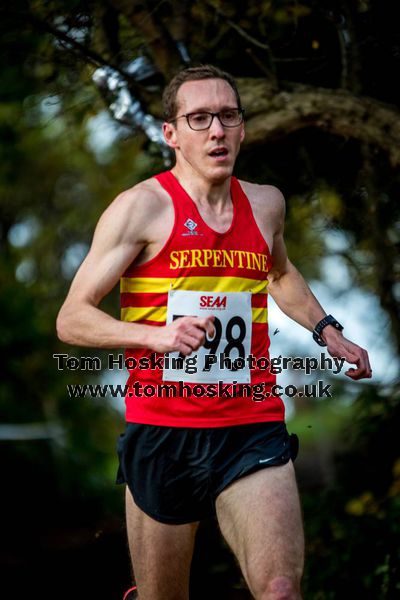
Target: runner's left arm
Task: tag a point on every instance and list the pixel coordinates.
(294, 297)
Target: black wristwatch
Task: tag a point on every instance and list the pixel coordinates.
(328, 320)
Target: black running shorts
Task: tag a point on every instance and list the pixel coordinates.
(176, 473)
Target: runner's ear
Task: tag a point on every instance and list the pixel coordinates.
(242, 132)
(169, 132)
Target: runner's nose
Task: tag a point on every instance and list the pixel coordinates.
(216, 129)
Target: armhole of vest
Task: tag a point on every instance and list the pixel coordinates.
(248, 205)
(173, 230)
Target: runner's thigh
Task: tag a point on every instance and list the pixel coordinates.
(260, 518)
(161, 554)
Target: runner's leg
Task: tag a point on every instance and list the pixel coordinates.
(260, 518)
(161, 554)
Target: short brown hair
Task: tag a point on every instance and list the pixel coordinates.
(170, 104)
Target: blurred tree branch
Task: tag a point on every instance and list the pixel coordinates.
(273, 115)
(156, 36)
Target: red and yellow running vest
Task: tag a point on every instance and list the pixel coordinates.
(202, 272)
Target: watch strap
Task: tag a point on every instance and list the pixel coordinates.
(327, 320)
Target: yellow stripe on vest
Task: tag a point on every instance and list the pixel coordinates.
(159, 314)
(148, 313)
(259, 315)
(160, 285)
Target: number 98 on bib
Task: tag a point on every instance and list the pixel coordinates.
(223, 357)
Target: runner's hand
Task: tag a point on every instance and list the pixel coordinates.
(341, 347)
(184, 335)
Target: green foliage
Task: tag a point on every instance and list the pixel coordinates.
(52, 192)
(352, 527)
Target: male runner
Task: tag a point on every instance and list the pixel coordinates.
(195, 249)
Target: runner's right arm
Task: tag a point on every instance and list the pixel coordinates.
(119, 238)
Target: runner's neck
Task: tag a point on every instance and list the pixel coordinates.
(205, 193)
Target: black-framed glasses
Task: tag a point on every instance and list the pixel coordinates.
(198, 121)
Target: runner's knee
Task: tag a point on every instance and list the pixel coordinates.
(280, 588)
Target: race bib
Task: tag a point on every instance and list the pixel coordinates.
(223, 357)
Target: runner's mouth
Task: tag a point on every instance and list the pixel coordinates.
(219, 153)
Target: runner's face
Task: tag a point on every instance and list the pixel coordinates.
(197, 148)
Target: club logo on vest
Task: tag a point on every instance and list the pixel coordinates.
(191, 226)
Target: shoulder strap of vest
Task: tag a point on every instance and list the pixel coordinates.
(165, 180)
(180, 197)
(239, 198)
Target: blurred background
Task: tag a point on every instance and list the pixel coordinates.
(80, 110)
